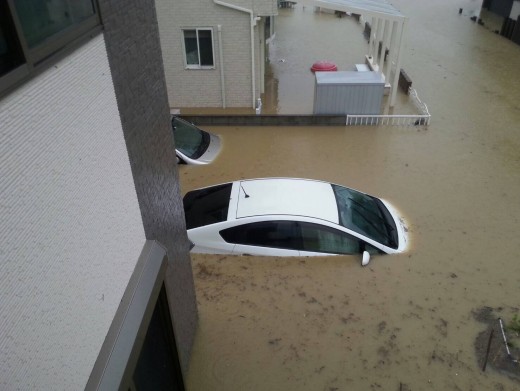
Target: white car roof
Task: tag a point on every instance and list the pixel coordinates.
(287, 196)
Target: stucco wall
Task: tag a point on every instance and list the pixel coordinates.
(202, 87)
(71, 228)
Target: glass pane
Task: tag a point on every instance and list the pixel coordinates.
(42, 19)
(10, 52)
(327, 240)
(190, 44)
(189, 139)
(158, 366)
(276, 234)
(206, 48)
(364, 214)
(207, 206)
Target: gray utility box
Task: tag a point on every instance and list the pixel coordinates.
(348, 92)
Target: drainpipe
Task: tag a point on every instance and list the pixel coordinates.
(221, 56)
(253, 23)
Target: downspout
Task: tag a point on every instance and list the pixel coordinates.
(253, 23)
(221, 56)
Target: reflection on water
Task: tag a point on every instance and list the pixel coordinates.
(404, 322)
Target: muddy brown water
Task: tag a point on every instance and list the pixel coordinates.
(405, 322)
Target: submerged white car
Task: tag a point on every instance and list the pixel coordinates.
(194, 145)
(291, 217)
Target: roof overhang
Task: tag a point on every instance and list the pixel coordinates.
(372, 8)
(387, 28)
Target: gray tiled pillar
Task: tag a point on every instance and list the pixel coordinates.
(134, 53)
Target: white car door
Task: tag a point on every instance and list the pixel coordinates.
(264, 251)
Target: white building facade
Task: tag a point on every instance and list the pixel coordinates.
(214, 51)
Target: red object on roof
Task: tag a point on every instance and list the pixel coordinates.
(324, 66)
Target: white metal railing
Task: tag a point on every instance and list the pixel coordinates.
(399, 120)
(421, 106)
(423, 118)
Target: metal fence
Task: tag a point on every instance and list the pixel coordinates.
(423, 118)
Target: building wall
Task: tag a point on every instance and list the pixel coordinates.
(87, 174)
(134, 53)
(202, 87)
(71, 225)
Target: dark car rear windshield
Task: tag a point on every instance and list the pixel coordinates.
(207, 206)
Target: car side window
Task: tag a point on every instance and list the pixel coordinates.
(276, 234)
(317, 238)
(372, 250)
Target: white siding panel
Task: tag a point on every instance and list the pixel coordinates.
(202, 87)
(71, 229)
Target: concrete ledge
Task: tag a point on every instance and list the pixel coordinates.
(267, 120)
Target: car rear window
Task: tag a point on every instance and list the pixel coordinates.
(207, 206)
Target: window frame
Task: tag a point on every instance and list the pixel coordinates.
(117, 360)
(42, 55)
(185, 54)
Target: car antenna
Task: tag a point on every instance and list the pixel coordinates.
(242, 187)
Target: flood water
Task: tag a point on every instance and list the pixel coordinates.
(404, 322)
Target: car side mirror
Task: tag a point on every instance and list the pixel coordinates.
(366, 258)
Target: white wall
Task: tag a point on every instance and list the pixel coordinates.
(202, 87)
(71, 229)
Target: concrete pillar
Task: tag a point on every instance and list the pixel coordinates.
(134, 53)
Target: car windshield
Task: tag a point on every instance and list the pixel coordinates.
(189, 140)
(365, 215)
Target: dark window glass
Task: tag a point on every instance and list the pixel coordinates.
(206, 48)
(323, 239)
(198, 44)
(371, 249)
(10, 52)
(158, 365)
(191, 47)
(207, 206)
(42, 19)
(276, 234)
